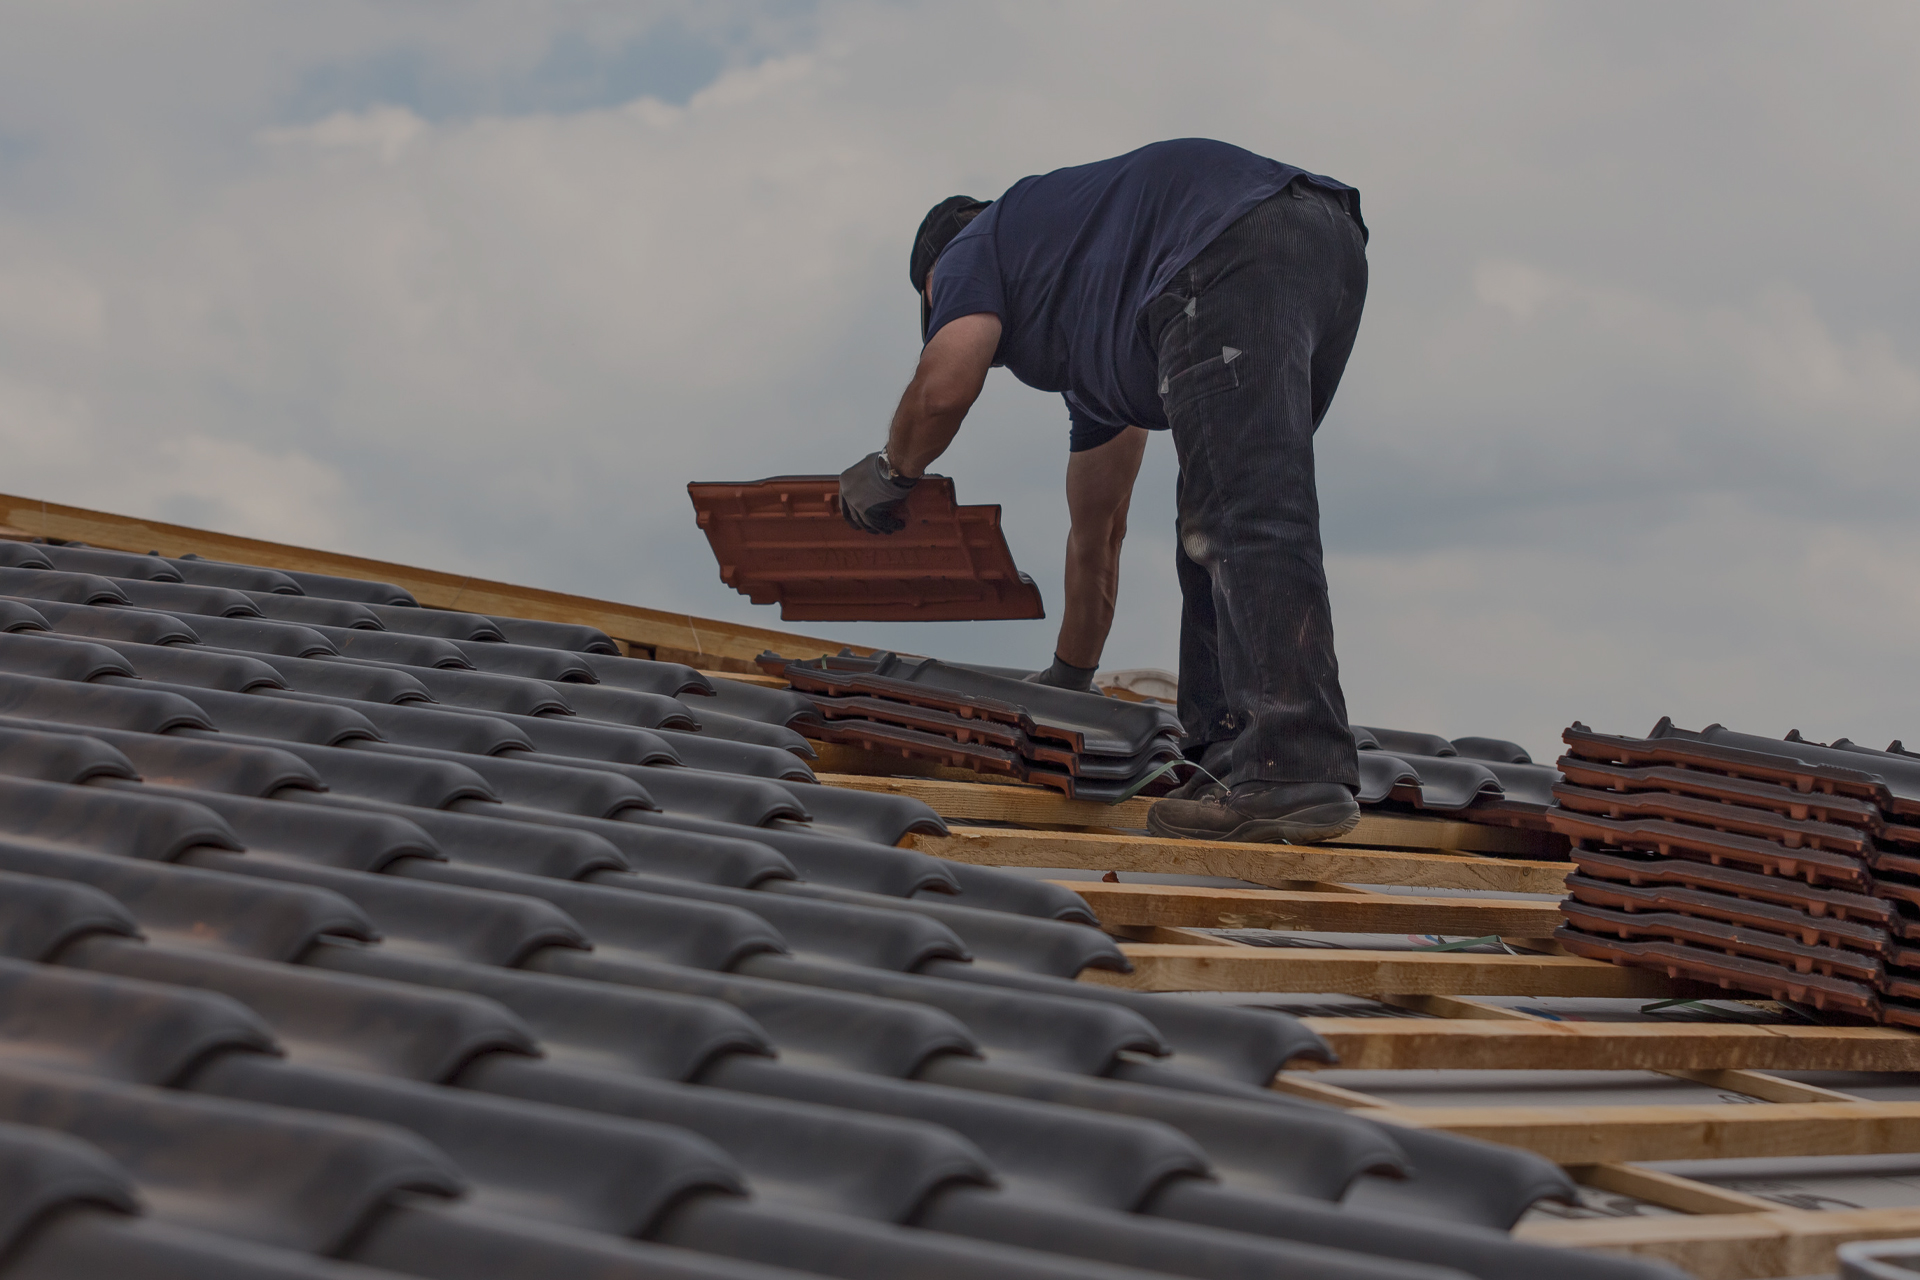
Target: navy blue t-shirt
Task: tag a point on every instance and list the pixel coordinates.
(1069, 259)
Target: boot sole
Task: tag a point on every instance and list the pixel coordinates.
(1308, 826)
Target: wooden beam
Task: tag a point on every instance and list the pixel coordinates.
(1667, 1190)
(1604, 1134)
(1455, 1007)
(1023, 804)
(1160, 933)
(955, 795)
(1332, 1094)
(654, 629)
(742, 677)
(1743, 1246)
(1181, 906)
(1532, 1044)
(1758, 1084)
(1412, 831)
(1188, 968)
(1268, 864)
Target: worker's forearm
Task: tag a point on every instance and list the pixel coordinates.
(921, 432)
(952, 369)
(1092, 586)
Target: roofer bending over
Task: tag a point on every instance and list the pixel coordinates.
(1187, 286)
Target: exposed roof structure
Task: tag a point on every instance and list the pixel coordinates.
(345, 936)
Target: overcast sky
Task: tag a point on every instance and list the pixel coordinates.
(1630, 429)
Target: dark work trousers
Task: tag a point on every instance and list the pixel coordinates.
(1252, 337)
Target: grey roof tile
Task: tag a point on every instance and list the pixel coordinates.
(109, 564)
(31, 698)
(314, 611)
(595, 1024)
(154, 826)
(84, 1243)
(809, 1027)
(186, 907)
(392, 646)
(50, 657)
(255, 635)
(348, 678)
(572, 637)
(643, 675)
(236, 577)
(38, 916)
(703, 935)
(735, 858)
(320, 1018)
(478, 926)
(527, 1159)
(1064, 1153)
(275, 716)
(145, 1031)
(782, 707)
(87, 621)
(526, 661)
(59, 757)
(267, 1174)
(442, 623)
(69, 588)
(515, 778)
(1051, 1032)
(796, 1155)
(746, 759)
(42, 1172)
(830, 859)
(1031, 942)
(328, 587)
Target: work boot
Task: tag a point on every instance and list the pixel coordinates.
(1261, 813)
(1212, 765)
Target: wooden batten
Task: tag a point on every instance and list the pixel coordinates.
(1392, 1044)
(1733, 1245)
(1366, 973)
(1599, 1134)
(1266, 864)
(1178, 905)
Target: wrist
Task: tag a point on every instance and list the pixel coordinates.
(1067, 675)
(894, 472)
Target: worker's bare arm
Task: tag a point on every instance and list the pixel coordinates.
(1099, 489)
(953, 368)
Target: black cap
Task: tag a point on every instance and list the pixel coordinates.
(943, 222)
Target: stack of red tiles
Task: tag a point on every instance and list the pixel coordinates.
(863, 703)
(1775, 869)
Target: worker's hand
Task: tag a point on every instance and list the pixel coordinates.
(1064, 675)
(871, 495)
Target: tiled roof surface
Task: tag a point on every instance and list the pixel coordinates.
(1784, 868)
(784, 541)
(500, 955)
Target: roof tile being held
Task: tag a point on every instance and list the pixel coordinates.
(783, 541)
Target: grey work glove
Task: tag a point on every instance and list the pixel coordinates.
(871, 495)
(1064, 675)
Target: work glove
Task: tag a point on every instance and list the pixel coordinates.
(1064, 675)
(871, 495)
